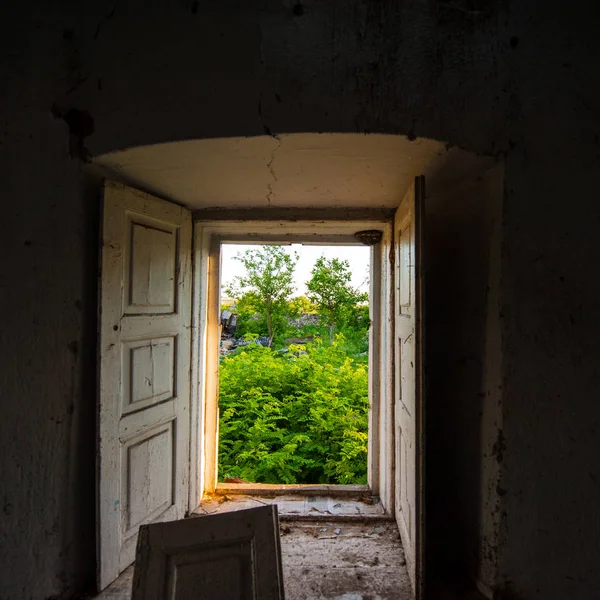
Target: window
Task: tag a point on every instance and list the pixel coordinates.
(209, 238)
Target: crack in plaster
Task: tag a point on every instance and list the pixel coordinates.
(271, 170)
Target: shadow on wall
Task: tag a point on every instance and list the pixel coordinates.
(464, 421)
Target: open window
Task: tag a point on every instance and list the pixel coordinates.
(159, 360)
(293, 368)
(209, 238)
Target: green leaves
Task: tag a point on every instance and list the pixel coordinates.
(298, 417)
(267, 284)
(329, 288)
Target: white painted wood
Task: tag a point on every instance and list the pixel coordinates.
(213, 338)
(317, 231)
(381, 214)
(386, 373)
(231, 556)
(144, 354)
(197, 374)
(373, 474)
(208, 236)
(408, 377)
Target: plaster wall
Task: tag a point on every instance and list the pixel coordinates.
(48, 240)
(510, 78)
(301, 170)
(464, 374)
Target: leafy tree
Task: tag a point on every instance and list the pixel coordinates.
(301, 305)
(329, 288)
(249, 319)
(267, 284)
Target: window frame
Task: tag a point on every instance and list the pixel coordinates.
(208, 237)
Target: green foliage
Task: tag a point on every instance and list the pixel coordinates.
(301, 305)
(249, 318)
(353, 338)
(251, 321)
(299, 416)
(267, 283)
(330, 290)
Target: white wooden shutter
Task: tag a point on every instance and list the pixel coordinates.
(229, 556)
(408, 376)
(144, 353)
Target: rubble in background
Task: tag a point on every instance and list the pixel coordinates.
(229, 321)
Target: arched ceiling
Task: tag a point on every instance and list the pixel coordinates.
(297, 170)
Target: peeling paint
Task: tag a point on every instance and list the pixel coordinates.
(499, 447)
(81, 125)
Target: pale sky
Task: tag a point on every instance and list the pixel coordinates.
(358, 256)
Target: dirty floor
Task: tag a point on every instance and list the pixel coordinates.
(349, 561)
(329, 559)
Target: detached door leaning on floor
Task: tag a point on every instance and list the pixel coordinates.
(230, 556)
(408, 377)
(144, 354)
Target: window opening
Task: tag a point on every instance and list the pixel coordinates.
(293, 364)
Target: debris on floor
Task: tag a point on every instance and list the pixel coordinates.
(364, 561)
(304, 506)
(349, 561)
(333, 547)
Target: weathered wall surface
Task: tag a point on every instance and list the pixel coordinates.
(552, 352)
(48, 243)
(493, 77)
(464, 372)
(549, 311)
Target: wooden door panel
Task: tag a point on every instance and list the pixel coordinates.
(403, 514)
(145, 319)
(148, 471)
(409, 399)
(150, 265)
(148, 372)
(405, 271)
(230, 556)
(147, 464)
(225, 570)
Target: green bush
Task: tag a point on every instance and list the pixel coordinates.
(295, 416)
(250, 319)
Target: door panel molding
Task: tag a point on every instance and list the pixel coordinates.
(144, 351)
(408, 378)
